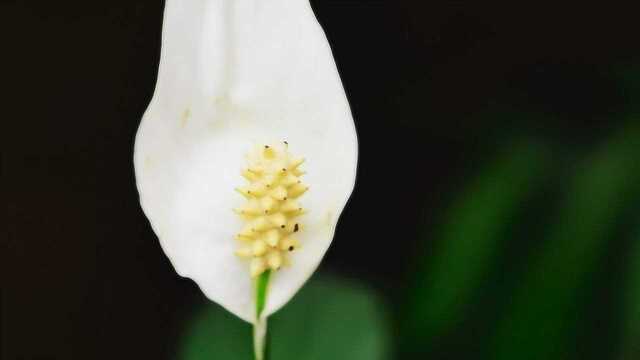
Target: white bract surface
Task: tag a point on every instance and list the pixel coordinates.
(235, 74)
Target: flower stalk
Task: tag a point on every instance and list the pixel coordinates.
(260, 325)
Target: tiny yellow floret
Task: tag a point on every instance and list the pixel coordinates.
(271, 211)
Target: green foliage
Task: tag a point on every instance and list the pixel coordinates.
(545, 311)
(631, 335)
(540, 321)
(216, 334)
(328, 319)
(468, 244)
(331, 320)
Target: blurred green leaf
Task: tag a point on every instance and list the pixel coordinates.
(540, 321)
(469, 242)
(328, 319)
(331, 320)
(214, 333)
(631, 345)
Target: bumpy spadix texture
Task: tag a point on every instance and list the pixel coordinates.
(272, 210)
(234, 75)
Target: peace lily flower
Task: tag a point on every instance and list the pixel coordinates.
(247, 91)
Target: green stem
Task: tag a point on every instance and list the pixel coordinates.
(260, 324)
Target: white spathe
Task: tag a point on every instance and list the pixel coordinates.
(235, 74)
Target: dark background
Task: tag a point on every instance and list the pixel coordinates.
(435, 87)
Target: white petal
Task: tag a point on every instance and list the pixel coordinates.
(233, 74)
